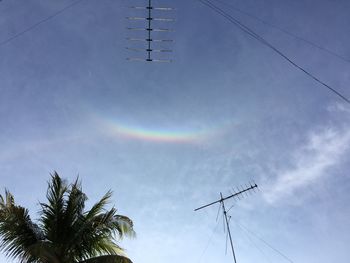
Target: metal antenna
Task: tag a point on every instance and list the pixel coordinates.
(222, 202)
(151, 45)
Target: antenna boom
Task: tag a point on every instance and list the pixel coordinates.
(228, 197)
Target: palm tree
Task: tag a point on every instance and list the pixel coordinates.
(65, 231)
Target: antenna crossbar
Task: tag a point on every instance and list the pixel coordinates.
(228, 197)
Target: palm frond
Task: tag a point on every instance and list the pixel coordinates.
(66, 232)
(74, 209)
(44, 251)
(17, 230)
(6, 202)
(124, 226)
(108, 259)
(52, 213)
(75, 202)
(99, 207)
(94, 236)
(97, 229)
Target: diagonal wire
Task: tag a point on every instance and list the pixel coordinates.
(209, 241)
(265, 242)
(254, 244)
(228, 210)
(35, 25)
(217, 215)
(331, 52)
(250, 32)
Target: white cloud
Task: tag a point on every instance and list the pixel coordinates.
(339, 107)
(322, 150)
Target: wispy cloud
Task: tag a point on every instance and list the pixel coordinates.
(322, 150)
(339, 107)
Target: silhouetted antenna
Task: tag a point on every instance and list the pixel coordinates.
(153, 44)
(222, 200)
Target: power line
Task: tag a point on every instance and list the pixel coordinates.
(209, 242)
(211, 236)
(254, 244)
(33, 26)
(253, 34)
(265, 242)
(331, 52)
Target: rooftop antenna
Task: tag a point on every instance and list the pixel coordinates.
(151, 27)
(222, 200)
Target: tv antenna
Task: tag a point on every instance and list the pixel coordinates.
(153, 36)
(236, 194)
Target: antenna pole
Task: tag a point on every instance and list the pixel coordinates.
(149, 29)
(222, 203)
(228, 229)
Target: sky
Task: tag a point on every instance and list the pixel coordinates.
(167, 138)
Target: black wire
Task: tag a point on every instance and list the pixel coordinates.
(6, 41)
(265, 242)
(209, 241)
(331, 52)
(254, 244)
(250, 32)
(217, 215)
(228, 210)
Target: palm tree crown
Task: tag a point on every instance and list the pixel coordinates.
(65, 232)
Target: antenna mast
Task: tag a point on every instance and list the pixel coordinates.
(154, 33)
(222, 203)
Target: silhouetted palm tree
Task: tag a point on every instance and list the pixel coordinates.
(65, 232)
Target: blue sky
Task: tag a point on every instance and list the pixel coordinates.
(167, 138)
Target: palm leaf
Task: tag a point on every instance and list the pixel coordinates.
(124, 226)
(95, 231)
(44, 251)
(108, 259)
(18, 232)
(66, 232)
(52, 214)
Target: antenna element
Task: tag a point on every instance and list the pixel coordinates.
(150, 28)
(222, 202)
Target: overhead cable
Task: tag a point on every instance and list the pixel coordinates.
(254, 244)
(253, 34)
(331, 52)
(208, 242)
(265, 242)
(35, 25)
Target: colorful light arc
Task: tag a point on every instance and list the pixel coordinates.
(136, 132)
(156, 135)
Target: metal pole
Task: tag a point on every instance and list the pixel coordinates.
(149, 29)
(228, 228)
